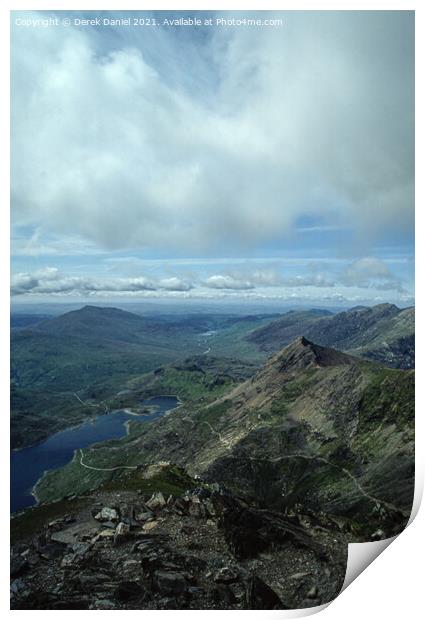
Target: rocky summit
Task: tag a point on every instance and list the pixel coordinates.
(205, 549)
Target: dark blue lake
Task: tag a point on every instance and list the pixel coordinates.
(27, 465)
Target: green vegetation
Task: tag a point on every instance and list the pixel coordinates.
(171, 480)
(389, 398)
(101, 352)
(33, 520)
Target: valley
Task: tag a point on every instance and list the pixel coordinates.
(276, 456)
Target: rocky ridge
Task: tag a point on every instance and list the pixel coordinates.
(384, 333)
(204, 549)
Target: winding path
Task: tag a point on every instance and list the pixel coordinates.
(102, 403)
(104, 468)
(227, 443)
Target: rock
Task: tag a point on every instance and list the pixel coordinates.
(197, 510)
(226, 574)
(150, 526)
(209, 506)
(107, 514)
(201, 492)
(17, 586)
(121, 533)
(144, 516)
(297, 576)
(110, 524)
(89, 582)
(170, 583)
(18, 565)
(143, 545)
(32, 558)
(58, 524)
(156, 502)
(103, 603)
(260, 596)
(130, 590)
(69, 559)
(52, 550)
(313, 592)
(195, 591)
(131, 565)
(103, 535)
(180, 506)
(222, 594)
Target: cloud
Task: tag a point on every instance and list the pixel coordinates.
(149, 143)
(228, 282)
(174, 284)
(50, 281)
(370, 272)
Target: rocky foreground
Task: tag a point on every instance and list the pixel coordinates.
(206, 549)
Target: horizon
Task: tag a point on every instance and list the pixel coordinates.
(151, 307)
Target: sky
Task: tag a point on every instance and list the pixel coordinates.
(213, 162)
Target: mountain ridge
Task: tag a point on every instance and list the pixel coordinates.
(338, 430)
(384, 333)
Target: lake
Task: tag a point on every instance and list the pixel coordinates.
(29, 464)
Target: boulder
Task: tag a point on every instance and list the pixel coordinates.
(107, 514)
(260, 596)
(156, 502)
(130, 590)
(121, 533)
(227, 574)
(170, 583)
(144, 516)
(150, 526)
(18, 565)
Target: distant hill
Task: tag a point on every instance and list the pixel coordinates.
(94, 351)
(384, 333)
(94, 322)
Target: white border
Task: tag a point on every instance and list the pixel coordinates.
(393, 585)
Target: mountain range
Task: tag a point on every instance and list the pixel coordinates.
(243, 497)
(314, 428)
(384, 333)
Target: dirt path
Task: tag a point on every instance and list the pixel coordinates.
(104, 468)
(101, 404)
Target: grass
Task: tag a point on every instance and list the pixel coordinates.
(172, 480)
(388, 398)
(33, 520)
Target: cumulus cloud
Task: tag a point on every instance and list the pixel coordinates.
(112, 146)
(174, 284)
(228, 282)
(370, 272)
(366, 273)
(51, 282)
(265, 278)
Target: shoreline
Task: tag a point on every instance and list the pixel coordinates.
(126, 425)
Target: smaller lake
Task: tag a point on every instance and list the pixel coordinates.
(29, 464)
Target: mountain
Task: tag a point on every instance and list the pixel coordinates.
(92, 322)
(315, 430)
(384, 333)
(244, 497)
